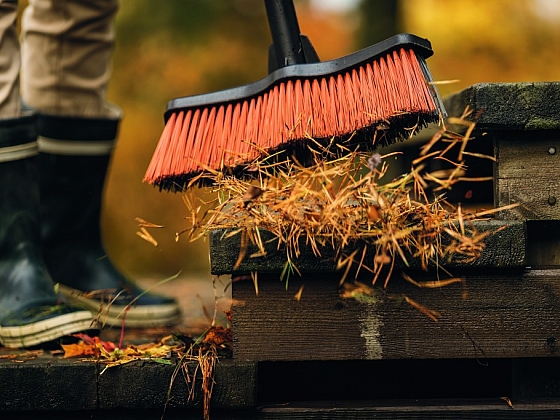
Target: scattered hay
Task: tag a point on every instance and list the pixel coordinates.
(216, 342)
(346, 201)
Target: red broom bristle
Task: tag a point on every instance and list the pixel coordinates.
(230, 134)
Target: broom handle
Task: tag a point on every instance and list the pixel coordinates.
(284, 29)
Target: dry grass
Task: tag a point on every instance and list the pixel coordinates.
(197, 362)
(347, 201)
(347, 204)
(203, 370)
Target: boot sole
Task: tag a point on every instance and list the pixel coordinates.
(136, 316)
(47, 330)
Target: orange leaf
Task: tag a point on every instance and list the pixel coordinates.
(80, 349)
(218, 335)
(88, 346)
(107, 345)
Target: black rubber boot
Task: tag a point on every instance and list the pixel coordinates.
(74, 157)
(31, 313)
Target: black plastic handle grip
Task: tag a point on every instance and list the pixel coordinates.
(285, 32)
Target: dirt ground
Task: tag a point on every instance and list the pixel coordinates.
(198, 299)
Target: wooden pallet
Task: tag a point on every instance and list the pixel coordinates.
(497, 333)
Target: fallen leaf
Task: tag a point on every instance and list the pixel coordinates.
(218, 336)
(80, 349)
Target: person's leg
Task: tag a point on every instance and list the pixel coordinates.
(31, 312)
(66, 54)
(10, 60)
(67, 47)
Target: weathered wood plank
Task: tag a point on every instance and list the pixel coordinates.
(510, 106)
(48, 384)
(506, 248)
(527, 172)
(31, 386)
(444, 409)
(538, 198)
(506, 314)
(523, 121)
(150, 385)
(526, 155)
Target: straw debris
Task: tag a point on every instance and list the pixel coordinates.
(348, 204)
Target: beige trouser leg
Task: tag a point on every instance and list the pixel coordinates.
(9, 60)
(66, 54)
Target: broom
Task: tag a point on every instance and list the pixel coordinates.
(372, 97)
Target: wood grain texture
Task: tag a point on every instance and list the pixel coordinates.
(527, 172)
(510, 106)
(506, 314)
(50, 384)
(149, 385)
(444, 409)
(532, 196)
(504, 248)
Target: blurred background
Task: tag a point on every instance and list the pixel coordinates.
(169, 49)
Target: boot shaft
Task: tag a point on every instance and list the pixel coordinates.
(19, 203)
(24, 279)
(19, 193)
(74, 157)
(71, 197)
(18, 138)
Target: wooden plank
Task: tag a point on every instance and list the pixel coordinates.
(506, 248)
(506, 314)
(538, 198)
(523, 120)
(524, 155)
(510, 106)
(528, 172)
(417, 409)
(48, 384)
(149, 385)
